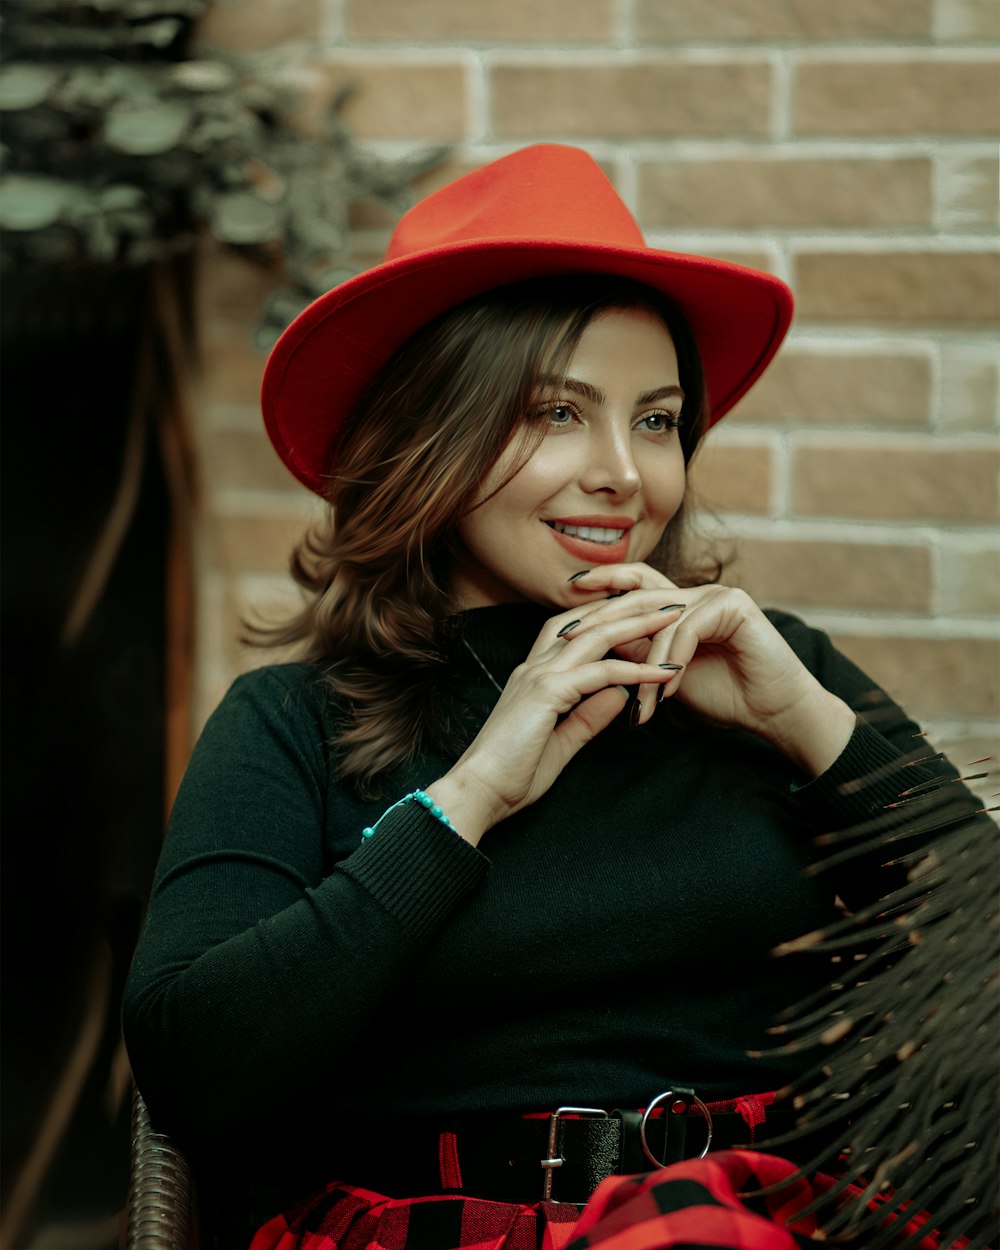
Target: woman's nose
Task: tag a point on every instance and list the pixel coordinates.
(610, 464)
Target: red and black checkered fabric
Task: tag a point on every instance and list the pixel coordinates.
(696, 1203)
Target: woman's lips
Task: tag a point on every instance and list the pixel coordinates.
(586, 549)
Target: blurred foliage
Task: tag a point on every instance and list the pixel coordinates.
(121, 146)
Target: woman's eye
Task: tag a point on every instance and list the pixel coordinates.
(560, 414)
(661, 422)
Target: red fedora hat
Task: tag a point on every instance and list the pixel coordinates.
(542, 211)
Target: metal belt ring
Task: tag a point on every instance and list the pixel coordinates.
(669, 1093)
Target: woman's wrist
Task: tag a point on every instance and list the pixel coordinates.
(814, 731)
(466, 804)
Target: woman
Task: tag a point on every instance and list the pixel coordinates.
(522, 831)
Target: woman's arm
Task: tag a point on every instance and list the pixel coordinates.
(869, 779)
(889, 793)
(261, 961)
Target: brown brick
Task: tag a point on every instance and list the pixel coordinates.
(765, 193)
(835, 574)
(667, 22)
(970, 387)
(920, 95)
(896, 483)
(804, 387)
(371, 215)
(932, 678)
(512, 21)
(257, 544)
(733, 478)
(967, 191)
(232, 289)
(647, 99)
(905, 287)
(968, 20)
(969, 579)
(232, 367)
(244, 460)
(394, 100)
(239, 26)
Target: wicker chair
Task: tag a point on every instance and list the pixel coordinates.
(160, 1214)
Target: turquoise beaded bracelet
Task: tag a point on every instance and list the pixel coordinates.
(418, 796)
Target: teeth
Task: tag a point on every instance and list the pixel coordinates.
(592, 533)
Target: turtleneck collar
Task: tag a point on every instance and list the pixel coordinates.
(501, 636)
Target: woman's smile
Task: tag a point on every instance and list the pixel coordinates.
(604, 481)
(602, 540)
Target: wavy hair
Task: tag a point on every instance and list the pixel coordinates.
(410, 463)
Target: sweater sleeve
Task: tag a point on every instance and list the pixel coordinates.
(255, 947)
(889, 793)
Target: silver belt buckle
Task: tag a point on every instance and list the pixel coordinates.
(554, 1161)
(669, 1093)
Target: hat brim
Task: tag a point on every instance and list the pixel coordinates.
(329, 354)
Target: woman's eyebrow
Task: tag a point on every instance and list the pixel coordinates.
(596, 396)
(663, 392)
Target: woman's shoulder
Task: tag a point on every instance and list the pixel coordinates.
(281, 693)
(273, 679)
(278, 712)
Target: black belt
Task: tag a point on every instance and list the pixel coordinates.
(559, 1157)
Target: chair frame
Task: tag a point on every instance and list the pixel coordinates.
(161, 1212)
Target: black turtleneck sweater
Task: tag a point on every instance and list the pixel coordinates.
(611, 939)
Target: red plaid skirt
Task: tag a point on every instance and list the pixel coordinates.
(706, 1203)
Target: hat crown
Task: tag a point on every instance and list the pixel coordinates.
(546, 192)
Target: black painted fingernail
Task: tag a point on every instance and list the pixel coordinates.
(617, 594)
(582, 573)
(674, 607)
(566, 628)
(635, 711)
(671, 668)
(660, 695)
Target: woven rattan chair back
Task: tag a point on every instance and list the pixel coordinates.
(160, 1211)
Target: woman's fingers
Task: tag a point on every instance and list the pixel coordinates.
(650, 696)
(590, 697)
(575, 622)
(618, 578)
(744, 670)
(627, 632)
(586, 721)
(720, 616)
(524, 745)
(637, 627)
(738, 670)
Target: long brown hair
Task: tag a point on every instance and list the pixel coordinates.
(410, 464)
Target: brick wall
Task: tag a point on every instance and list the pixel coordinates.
(848, 147)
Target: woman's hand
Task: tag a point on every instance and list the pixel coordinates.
(736, 670)
(711, 647)
(570, 673)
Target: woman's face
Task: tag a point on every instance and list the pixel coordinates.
(603, 483)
